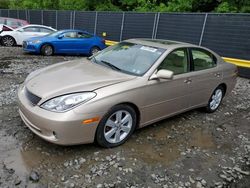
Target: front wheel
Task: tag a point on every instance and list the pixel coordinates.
(116, 126)
(215, 99)
(94, 50)
(47, 50)
(8, 41)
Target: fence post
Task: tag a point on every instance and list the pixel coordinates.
(153, 32)
(42, 17)
(203, 29)
(56, 19)
(156, 27)
(121, 32)
(74, 19)
(96, 14)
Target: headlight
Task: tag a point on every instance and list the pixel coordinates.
(66, 102)
(35, 41)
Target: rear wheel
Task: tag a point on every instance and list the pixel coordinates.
(94, 50)
(116, 126)
(8, 41)
(215, 99)
(47, 50)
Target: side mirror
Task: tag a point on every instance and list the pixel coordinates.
(60, 36)
(162, 74)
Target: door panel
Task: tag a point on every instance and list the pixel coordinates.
(168, 97)
(206, 76)
(165, 98)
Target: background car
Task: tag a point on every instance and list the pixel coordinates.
(17, 36)
(126, 86)
(13, 23)
(65, 42)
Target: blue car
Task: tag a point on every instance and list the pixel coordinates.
(65, 42)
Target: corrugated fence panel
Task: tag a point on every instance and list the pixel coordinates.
(64, 20)
(49, 18)
(22, 14)
(35, 16)
(138, 25)
(228, 35)
(180, 27)
(109, 22)
(13, 14)
(4, 13)
(85, 21)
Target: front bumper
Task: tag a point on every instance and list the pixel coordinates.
(27, 47)
(59, 128)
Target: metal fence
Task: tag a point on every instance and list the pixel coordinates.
(227, 34)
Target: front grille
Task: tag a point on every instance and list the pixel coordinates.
(24, 44)
(32, 98)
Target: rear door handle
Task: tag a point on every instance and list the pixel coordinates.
(217, 74)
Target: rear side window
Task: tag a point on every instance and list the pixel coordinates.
(202, 59)
(176, 61)
(83, 35)
(45, 30)
(12, 23)
(2, 21)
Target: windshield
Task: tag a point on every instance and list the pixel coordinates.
(129, 58)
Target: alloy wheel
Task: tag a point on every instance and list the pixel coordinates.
(118, 126)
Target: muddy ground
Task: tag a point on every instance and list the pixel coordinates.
(193, 149)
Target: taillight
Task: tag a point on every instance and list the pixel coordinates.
(103, 41)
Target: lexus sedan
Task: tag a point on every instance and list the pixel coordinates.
(65, 42)
(15, 37)
(126, 86)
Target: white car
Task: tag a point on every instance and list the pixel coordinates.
(17, 36)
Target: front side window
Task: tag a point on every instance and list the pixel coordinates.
(31, 29)
(70, 35)
(176, 61)
(202, 59)
(129, 58)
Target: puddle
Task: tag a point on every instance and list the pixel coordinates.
(167, 151)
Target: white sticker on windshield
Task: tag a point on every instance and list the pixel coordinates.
(148, 49)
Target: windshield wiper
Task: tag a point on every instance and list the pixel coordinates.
(110, 65)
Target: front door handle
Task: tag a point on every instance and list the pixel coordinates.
(187, 81)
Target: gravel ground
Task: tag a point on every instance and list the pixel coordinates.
(193, 149)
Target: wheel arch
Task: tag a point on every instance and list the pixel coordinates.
(137, 111)
(224, 86)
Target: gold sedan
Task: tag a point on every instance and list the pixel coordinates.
(129, 85)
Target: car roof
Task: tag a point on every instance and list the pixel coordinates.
(160, 43)
(73, 30)
(35, 25)
(14, 19)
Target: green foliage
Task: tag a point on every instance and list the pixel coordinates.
(133, 5)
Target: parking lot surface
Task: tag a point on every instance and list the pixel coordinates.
(194, 149)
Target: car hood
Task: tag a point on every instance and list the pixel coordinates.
(72, 76)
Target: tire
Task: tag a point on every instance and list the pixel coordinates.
(215, 99)
(8, 41)
(94, 50)
(47, 50)
(110, 133)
